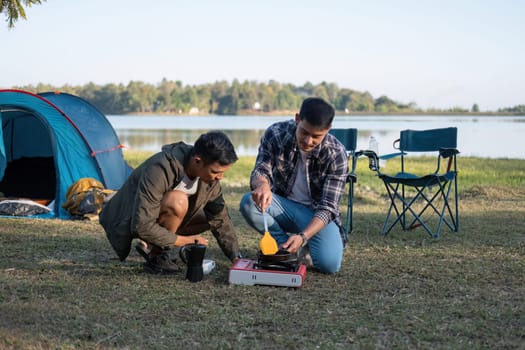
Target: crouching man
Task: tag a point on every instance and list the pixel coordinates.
(170, 199)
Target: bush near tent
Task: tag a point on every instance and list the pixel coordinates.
(49, 141)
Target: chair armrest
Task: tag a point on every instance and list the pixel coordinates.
(391, 155)
(448, 152)
(370, 153)
(373, 158)
(367, 153)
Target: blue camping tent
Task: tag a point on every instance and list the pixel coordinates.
(49, 141)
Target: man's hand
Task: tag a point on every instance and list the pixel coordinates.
(293, 244)
(262, 195)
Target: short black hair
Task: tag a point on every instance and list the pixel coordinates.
(215, 146)
(317, 112)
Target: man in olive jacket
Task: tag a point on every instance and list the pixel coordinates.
(170, 199)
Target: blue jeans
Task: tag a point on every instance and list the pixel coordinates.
(288, 217)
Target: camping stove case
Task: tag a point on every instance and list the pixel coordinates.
(248, 272)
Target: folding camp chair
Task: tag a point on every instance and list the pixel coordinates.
(348, 137)
(433, 193)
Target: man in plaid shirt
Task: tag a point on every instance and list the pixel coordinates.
(298, 178)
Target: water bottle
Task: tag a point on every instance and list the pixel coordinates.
(372, 145)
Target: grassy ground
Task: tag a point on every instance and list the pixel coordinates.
(61, 286)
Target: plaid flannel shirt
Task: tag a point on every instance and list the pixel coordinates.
(327, 166)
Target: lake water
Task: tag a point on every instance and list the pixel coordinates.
(478, 136)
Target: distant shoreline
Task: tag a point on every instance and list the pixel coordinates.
(245, 113)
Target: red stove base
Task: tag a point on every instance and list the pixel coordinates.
(244, 272)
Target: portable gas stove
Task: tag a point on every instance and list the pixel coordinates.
(269, 270)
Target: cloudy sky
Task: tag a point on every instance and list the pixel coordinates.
(442, 54)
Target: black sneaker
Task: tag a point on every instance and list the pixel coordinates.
(144, 252)
(161, 265)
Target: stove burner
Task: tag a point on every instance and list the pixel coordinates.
(283, 260)
(291, 265)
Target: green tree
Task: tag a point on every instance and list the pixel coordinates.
(475, 108)
(354, 101)
(248, 95)
(111, 99)
(384, 104)
(343, 99)
(306, 90)
(332, 90)
(519, 109)
(321, 91)
(14, 9)
(286, 99)
(142, 96)
(166, 88)
(204, 98)
(218, 90)
(269, 91)
(457, 109)
(189, 98)
(227, 106)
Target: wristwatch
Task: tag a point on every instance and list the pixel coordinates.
(305, 240)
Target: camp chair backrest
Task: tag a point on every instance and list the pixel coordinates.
(348, 137)
(427, 140)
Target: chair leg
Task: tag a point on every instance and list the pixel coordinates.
(396, 195)
(349, 209)
(429, 204)
(403, 216)
(350, 212)
(452, 224)
(456, 201)
(417, 217)
(393, 193)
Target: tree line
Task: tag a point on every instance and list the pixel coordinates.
(225, 98)
(237, 98)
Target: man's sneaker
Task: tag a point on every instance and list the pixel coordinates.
(161, 265)
(305, 257)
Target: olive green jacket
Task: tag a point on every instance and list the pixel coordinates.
(133, 211)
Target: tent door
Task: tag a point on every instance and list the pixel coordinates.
(30, 165)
